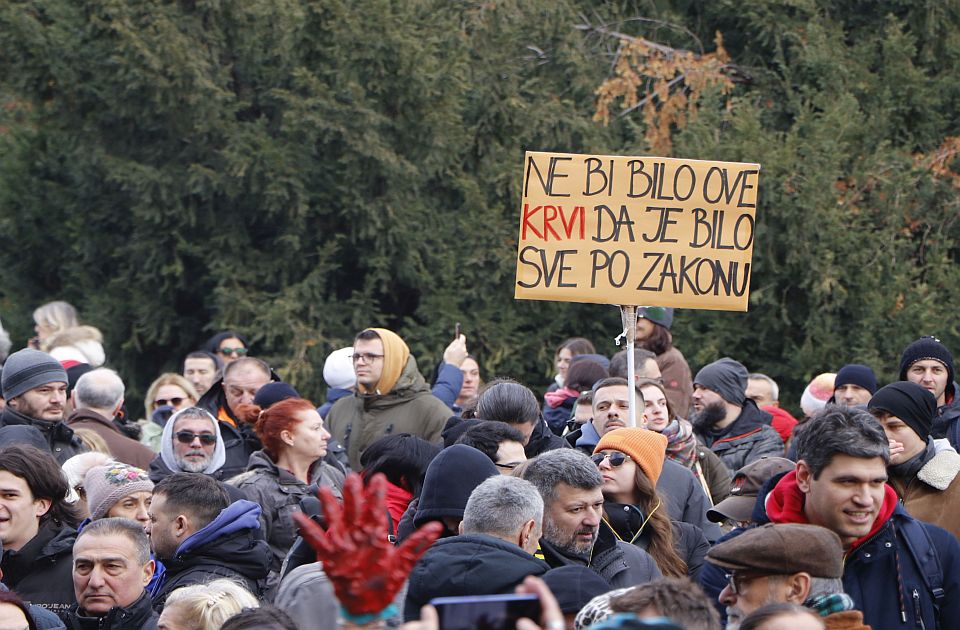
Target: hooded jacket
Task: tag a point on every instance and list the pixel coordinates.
(881, 573)
(137, 616)
(41, 572)
(407, 407)
(231, 546)
(746, 439)
(619, 563)
(278, 493)
(946, 424)
(63, 444)
(165, 463)
(450, 479)
(78, 344)
(122, 448)
(469, 564)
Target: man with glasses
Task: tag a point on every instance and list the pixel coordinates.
(97, 398)
(391, 397)
(789, 563)
(499, 441)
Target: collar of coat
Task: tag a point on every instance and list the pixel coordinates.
(940, 471)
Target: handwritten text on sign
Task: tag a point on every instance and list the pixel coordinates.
(637, 230)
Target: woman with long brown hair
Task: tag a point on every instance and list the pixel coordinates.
(630, 461)
(653, 334)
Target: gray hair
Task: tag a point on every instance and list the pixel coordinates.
(132, 530)
(774, 388)
(565, 465)
(99, 389)
(837, 430)
(501, 505)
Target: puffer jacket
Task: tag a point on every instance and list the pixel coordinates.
(746, 440)
(41, 572)
(359, 420)
(231, 546)
(60, 438)
(278, 493)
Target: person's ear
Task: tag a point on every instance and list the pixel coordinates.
(116, 409)
(526, 533)
(804, 477)
(798, 587)
(73, 399)
(42, 506)
(460, 528)
(286, 437)
(148, 570)
(181, 526)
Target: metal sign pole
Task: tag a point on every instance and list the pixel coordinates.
(628, 315)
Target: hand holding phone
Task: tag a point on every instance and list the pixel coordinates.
(486, 612)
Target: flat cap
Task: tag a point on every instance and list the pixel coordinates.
(782, 549)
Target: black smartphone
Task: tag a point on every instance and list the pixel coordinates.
(456, 331)
(486, 612)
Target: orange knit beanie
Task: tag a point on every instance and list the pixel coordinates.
(647, 448)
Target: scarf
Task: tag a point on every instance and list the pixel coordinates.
(825, 605)
(681, 443)
(560, 396)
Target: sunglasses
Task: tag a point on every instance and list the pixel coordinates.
(237, 351)
(616, 458)
(173, 402)
(187, 437)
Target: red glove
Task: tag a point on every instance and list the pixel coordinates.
(366, 569)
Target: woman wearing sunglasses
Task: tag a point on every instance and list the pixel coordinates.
(630, 461)
(228, 345)
(167, 395)
(653, 334)
(294, 442)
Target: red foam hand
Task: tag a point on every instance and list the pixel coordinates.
(365, 568)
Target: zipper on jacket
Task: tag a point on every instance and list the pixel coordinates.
(916, 609)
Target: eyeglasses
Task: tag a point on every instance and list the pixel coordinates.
(616, 458)
(738, 580)
(173, 402)
(187, 437)
(368, 357)
(509, 466)
(236, 351)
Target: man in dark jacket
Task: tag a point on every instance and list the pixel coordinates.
(901, 572)
(494, 551)
(242, 379)
(728, 422)
(928, 363)
(508, 401)
(37, 542)
(392, 397)
(96, 398)
(200, 536)
(35, 388)
(570, 486)
(111, 570)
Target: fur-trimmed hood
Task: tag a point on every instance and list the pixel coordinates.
(83, 344)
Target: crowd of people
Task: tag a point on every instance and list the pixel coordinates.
(236, 503)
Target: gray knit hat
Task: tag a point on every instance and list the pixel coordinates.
(105, 485)
(726, 377)
(28, 368)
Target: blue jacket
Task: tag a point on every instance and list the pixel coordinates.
(333, 395)
(883, 575)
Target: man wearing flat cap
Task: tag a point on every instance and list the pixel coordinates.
(789, 563)
(926, 481)
(35, 388)
(728, 422)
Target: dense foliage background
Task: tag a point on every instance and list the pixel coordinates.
(300, 169)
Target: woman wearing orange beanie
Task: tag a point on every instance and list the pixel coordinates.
(630, 461)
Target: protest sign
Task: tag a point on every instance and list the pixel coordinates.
(636, 230)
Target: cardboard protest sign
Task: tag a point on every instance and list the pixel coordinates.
(636, 230)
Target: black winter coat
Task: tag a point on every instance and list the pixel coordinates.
(619, 563)
(746, 440)
(470, 564)
(62, 442)
(41, 572)
(138, 616)
(542, 440)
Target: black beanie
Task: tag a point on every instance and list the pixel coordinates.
(726, 377)
(856, 374)
(926, 348)
(909, 402)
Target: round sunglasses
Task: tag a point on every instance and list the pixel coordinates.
(616, 458)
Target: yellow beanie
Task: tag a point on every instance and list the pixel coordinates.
(395, 355)
(647, 448)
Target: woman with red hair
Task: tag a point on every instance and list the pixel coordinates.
(289, 467)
